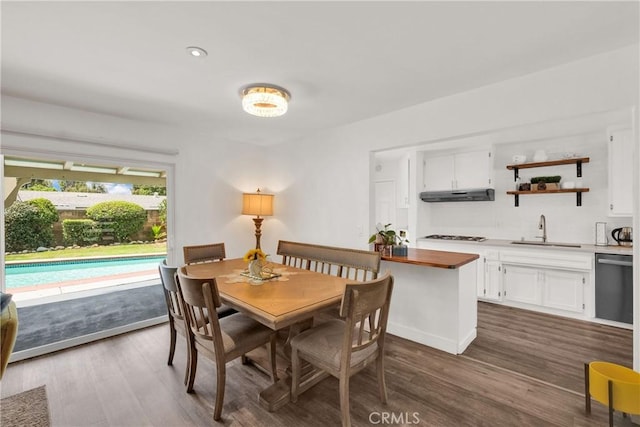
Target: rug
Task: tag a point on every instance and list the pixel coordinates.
(29, 408)
(57, 321)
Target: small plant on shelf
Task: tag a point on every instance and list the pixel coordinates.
(545, 182)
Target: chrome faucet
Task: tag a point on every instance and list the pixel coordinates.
(542, 225)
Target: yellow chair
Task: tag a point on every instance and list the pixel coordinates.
(613, 385)
(8, 334)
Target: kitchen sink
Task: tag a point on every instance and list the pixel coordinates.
(536, 243)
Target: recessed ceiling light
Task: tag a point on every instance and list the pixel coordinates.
(198, 52)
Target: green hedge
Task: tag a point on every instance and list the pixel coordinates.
(80, 232)
(29, 225)
(126, 218)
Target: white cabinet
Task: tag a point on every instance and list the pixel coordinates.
(404, 173)
(465, 170)
(438, 173)
(522, 284)
(563, 290)
(620, 172)
(555, 289)
(492, 280)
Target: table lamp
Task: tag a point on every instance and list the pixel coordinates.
(258, 204)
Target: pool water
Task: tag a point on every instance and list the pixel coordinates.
(22, 275)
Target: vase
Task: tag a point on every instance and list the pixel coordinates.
(255, 267)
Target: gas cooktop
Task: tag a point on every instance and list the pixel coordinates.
(448, 237)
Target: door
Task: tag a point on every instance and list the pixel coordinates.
(385, 202)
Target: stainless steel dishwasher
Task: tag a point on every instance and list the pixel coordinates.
(614, 287)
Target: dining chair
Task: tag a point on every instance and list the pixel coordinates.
(176, 318)
(210, 252)
(344, 347)
(221, 340)
(353, 264)
(195, 254)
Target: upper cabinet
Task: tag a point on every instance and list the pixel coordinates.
(620, 172)
(465, 170)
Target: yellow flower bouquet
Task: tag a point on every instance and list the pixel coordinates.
(253, 254)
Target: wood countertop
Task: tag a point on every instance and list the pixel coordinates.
(429, 258)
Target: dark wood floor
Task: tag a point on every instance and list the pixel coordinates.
(524, 369)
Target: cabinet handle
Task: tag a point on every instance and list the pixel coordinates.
(613, 262)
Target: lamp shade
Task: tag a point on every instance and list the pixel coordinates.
(259, 204)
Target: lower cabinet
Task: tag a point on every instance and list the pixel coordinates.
(522, 284)
(492, 286)
(555, 289)
(564, 290)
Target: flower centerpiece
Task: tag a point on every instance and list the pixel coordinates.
(256, 259)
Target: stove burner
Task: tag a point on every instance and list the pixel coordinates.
(448, 237)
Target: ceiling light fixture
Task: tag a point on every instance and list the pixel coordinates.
(265, 100)
(198, 52)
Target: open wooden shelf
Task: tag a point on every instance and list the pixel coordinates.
(549, 163)
(578, 161)
(560, 190)
(578, 192)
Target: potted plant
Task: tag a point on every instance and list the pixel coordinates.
(386, 240)
(400, 248)
(545, 182)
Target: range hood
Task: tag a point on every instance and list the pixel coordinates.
(473, 195)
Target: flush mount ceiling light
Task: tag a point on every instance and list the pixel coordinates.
(198, 52)
(265, 100)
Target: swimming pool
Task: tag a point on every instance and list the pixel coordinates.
(41, 273)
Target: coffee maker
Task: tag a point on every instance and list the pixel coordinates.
(623, 235)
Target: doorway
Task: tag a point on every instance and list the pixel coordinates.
(83, 309)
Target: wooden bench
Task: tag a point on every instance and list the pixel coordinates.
(354, 264)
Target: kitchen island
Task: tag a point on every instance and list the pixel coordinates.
(434, 298)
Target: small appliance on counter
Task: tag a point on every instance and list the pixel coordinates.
(623, 235)
(601, 234)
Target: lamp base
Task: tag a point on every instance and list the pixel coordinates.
(258, 222)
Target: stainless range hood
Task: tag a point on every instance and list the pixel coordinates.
(473, 195)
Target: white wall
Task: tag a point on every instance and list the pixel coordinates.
(205, 178)
(330, 200)
(500, 219)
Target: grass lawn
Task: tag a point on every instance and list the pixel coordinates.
(124, 249)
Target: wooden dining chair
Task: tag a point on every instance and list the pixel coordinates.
(221, 340)
(211, 252)
(344, 347)
(174, 309)
(353, 264)
(203, 253)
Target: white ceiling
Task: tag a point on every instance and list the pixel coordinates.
(341, 61)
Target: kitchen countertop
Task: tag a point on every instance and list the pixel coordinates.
(430, 258)
(610, 249)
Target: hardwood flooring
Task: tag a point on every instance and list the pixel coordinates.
(524, 369)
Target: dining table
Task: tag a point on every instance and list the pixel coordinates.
(286, 297)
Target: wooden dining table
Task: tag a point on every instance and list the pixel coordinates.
(288, 300)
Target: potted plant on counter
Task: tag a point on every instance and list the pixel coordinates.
(387, 241)
(400, 248)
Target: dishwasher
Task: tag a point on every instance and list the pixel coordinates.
(614, 287)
